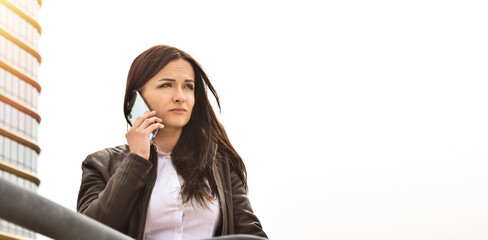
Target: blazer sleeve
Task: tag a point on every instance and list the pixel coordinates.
(245, 221)
(111, 196)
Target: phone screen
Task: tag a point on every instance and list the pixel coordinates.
(137, 107)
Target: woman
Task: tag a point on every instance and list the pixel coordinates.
(189, 183)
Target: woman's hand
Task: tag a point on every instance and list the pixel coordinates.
(139, 134)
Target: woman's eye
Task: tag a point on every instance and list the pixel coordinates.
(165, 85)
(189, 86)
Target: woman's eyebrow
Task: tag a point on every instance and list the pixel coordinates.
(167, 79)
(173, 80)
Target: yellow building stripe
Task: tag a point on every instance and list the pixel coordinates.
(20, 75)
(22, 140)
(22, 14)
(7, 167)
(9, 236)
(40, 3)
(19, 106)
(21, 44)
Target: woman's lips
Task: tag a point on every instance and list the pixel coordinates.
(178, 110)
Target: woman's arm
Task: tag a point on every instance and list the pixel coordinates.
(110, 196)
(245, 221)
(112, 183)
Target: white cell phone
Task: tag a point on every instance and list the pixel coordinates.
(137, 106)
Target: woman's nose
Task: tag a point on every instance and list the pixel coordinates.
(179, 96)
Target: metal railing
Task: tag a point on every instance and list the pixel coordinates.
(41, 215)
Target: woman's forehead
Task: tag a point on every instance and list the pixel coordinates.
(177, 68)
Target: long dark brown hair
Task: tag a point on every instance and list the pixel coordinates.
(193, 155)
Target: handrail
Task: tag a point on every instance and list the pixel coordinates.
(34, 212)
(41, 215)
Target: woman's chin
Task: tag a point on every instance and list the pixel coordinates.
(173, 125)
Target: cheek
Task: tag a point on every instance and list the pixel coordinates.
(158, 99)
(191, 100)
(161, 104)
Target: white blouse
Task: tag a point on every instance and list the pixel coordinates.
(168, 218)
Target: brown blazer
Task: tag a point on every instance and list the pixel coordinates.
(116, 187)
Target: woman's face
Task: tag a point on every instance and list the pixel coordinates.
(171, 93)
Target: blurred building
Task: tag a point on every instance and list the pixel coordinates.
(19, 92)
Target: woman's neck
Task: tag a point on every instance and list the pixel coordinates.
(167, 138)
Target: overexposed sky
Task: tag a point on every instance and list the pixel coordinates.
(356, 119)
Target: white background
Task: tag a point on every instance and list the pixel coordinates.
(356, 119)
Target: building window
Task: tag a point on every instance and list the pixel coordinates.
(2, 113)
(3, 14)
(6, 148)
(22, 124)
(8, 115)
(3, 75)
(17, 88)
(3, 46)
(14, 151)
(15, 119)
(18, 155)
(1, 146)
(21, 93)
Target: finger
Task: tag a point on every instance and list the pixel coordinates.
(149, 121)
(154, 127)
(139, 120)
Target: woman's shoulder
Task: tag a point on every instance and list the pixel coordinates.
(109, 160)
(107, 155)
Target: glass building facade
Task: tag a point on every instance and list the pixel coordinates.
(19, 93)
